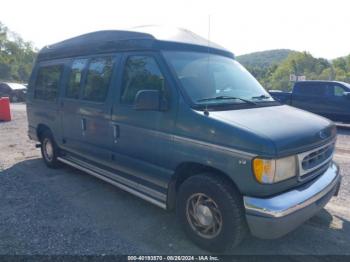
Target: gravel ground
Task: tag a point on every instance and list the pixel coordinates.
(64, 211)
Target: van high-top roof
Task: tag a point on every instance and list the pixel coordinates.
(141, 38)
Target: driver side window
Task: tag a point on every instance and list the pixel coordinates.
(140, 73)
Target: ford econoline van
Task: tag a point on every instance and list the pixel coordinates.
(177, 121)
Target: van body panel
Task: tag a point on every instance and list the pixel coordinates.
(229, 146)
(40, 111)
(125, 41)
(282, 126)
(226, 140)
(141, 151)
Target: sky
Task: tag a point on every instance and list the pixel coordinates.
(321, 27)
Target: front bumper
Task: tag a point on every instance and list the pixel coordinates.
(278, 215)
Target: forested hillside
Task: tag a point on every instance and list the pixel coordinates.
(16, 56)
(264, 58)
(275, 73)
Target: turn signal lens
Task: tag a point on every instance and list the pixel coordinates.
(264, 170)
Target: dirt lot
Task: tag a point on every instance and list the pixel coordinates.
(44, 211)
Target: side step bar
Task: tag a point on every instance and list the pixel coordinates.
(113, 182)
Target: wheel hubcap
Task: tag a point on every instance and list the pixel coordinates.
(203, 215)
(48, 149)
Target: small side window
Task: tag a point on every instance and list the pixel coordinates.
(140, 73)
(98, 78)
(338, 90)
(75, 78)
(47, 81)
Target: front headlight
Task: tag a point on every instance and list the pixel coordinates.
(268, 171)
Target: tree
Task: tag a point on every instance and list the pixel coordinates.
(16, 56)
(277, 76)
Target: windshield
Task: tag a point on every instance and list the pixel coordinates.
(209, 78)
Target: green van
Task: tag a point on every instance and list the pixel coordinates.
(177, 121)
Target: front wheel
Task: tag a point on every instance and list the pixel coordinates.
(49, 150)
(211, 212)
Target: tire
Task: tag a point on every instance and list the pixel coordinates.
(49, 150)
(220, 202)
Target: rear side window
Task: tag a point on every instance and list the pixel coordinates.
(98, 78)
(75, 78)
(310, 89)
(140, 73)
(47, 81)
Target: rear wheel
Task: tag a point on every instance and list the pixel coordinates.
(49, 150)
(211, 212)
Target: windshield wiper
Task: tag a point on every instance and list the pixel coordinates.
(261, 97)
(226, 98)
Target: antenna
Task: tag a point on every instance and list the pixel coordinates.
(208, 32)
(208, 45)
(206, 112)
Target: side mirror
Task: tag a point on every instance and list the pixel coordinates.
(150, 100)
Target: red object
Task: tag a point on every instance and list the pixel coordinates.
(5, 114)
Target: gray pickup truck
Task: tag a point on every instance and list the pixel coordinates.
(183, 126)
(330, 99)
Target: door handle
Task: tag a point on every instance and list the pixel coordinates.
(115, 133)
(83, 125)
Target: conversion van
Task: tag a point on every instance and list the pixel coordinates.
(177, 121)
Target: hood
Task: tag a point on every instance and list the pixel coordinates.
(291, 130)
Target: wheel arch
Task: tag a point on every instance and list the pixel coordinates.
(41, 128)
(187, 169)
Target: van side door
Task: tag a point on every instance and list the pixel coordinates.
(95, 107)
(142, 139)
(72, 137)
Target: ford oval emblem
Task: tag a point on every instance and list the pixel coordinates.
(322, 134)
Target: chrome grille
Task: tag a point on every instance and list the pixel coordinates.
(314, 159)
(317, 157)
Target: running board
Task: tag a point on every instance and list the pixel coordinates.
(113, 182)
